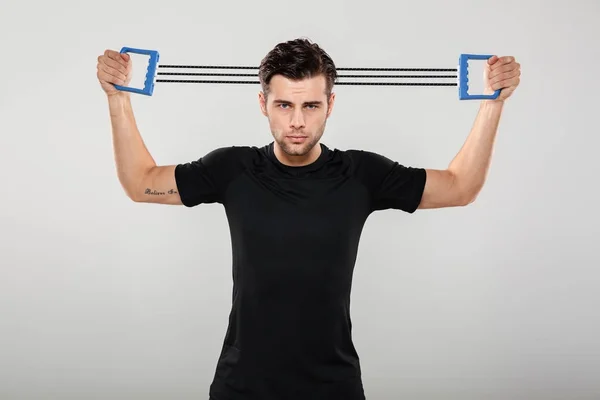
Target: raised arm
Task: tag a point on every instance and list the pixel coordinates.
(140, 177)
(461, 182)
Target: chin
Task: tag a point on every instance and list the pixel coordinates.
(299, 149)
(296, 150)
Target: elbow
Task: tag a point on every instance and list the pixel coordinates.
(135, 194)
(134, 199)
(468, 200)
(131, 192)
(465, 193)
(132, 195)
(469, 196)
(133, 186)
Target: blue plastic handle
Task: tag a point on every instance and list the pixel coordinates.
(150, 74)
(463, 78)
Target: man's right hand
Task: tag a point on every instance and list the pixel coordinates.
(114, 68)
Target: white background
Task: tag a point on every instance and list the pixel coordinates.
(104, 298)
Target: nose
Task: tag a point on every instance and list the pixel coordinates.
(297, 121)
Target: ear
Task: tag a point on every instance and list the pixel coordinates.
(262, 101)
(331, 102)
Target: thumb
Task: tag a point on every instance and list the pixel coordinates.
(492, 60)
(125, 56)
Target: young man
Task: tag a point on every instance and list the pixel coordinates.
(296, 210)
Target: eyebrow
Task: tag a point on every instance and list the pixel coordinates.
(306, 103)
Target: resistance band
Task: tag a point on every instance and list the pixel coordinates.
(460, 79)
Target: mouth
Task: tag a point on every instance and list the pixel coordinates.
(297, 139)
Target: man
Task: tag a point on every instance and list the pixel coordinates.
(296, 209)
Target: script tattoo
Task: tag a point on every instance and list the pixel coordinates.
(152, 192)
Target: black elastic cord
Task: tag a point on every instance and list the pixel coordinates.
(339, 76)
(338, 69)
(337, 83)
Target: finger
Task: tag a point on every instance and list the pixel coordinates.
(114, 55)
(509, 83)
(502, 61)
(506, 76)
(500, 75)
(113, 72)
(506, 92)
(103, 77)
(115, 64)
(504, 68)
(492, 60)
(506, 83)
(111, 75)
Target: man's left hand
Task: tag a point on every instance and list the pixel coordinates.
(502, 73)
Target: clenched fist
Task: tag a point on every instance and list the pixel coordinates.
(502, 73)
(114, 68)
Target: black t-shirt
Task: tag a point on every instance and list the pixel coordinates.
(295, 233)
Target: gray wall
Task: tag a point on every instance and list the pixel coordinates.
(103, 298)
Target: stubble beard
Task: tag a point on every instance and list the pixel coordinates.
(299, 149)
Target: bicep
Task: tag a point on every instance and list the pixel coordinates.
(158, 185)
(441, 190)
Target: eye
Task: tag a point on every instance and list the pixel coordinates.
(312, 105)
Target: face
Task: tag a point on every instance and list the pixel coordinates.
(297, 113)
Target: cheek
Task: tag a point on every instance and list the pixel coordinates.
(276, 119)
(277, 123)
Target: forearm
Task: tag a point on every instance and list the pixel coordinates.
(471, 164)
(131, 155)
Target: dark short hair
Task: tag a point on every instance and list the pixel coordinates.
(297, 59)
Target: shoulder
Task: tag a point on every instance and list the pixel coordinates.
(230, 154)
(367, 163)
(222, 163)
(230, 158)
(371, 167)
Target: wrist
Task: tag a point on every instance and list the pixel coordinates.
(492, 104)
(118, 103)
(118, 96)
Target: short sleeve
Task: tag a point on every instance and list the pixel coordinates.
(390, 184)
(205, 180)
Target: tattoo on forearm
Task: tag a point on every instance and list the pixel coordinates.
(152, 192)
